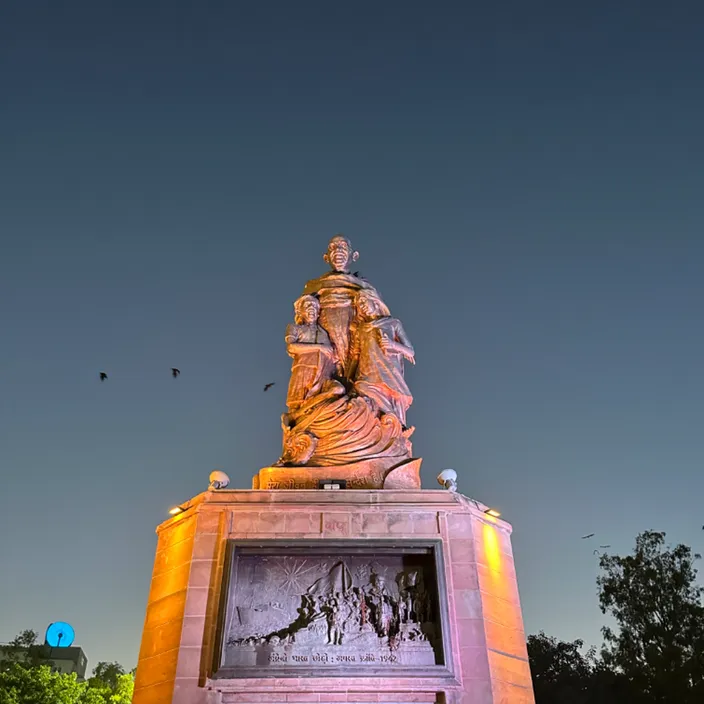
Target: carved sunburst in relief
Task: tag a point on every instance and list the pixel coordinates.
(294, 575)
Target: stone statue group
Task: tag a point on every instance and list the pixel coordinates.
(347, 398)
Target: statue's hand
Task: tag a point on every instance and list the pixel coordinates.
(386, 345)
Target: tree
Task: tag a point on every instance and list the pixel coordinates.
(563, 675)
(560, 672)
(39, 685)
(23, 649)
(124, 689)
(658, 644)
(112, 683)
(106, 675)
(26, 678)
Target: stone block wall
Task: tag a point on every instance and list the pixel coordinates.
(489, 657)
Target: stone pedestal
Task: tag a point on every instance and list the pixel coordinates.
(207, 640)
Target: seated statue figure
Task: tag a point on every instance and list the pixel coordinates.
(379, 345)
(313, 356)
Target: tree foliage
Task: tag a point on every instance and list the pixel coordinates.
(23, 649)
(657, 606)
(124, 689)
(26, 678)
(112, 683)
(560, 672)
(39, 685)
(654, 653)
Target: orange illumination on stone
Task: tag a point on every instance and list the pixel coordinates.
(492, 547)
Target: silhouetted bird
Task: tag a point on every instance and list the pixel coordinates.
(596, 552)
(268, 386)
(591, 535)
(175, 372)
(103, 376)
(603, 547)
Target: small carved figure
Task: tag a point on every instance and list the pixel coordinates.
(421, 605)
(309, 345)
(335, 620)
(402, 610)
(387, 616)
(380, 604)
(379, 345)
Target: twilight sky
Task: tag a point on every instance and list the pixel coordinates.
(524, 184)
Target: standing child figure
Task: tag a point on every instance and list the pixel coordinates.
(309, 346)
(380, 345)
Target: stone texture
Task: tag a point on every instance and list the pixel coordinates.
(486, 636)
(389, 473)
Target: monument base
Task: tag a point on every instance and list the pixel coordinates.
(384, 473)
(333, 596)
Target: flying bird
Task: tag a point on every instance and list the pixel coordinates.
(268, 386)
(604, 546)
(175, 372)
(596, 552)
(591, 535)
(103, 376)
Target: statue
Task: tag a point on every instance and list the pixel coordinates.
(336, 291)
(312, 353)
(347, 398)
(380, 344)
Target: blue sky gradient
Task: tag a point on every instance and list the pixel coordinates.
(523, 182)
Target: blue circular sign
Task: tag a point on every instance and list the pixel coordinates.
(60, 635)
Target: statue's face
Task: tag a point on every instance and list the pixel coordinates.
(309, 311)
(339, 255)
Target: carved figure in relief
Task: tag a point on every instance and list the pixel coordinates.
(379, 346)
(379, 601)
(336, 290)
(332, 610)
(402, 610)
(387, 616)
(313, 356)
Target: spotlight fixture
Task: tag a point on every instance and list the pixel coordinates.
(492, 512)
(176, 510)
(218, 480)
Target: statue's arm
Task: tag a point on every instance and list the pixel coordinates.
(403, 338)
(291, 337)
(400, 344)
(294, 348)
